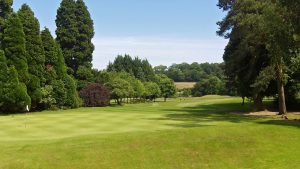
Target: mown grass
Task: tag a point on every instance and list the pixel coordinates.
(179, 134)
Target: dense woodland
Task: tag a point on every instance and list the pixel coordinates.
(262, 56)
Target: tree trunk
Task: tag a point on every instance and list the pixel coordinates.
(243, 101)
(165, 99)
(118, 101)
(280, 86)
(258, 102)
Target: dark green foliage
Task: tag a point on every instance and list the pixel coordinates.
(84, 76)
(84, 46)
(95, 95)
(64, 86)
(5, 11)
(34, 91)
(34, 53)
(194, 72)
(51, 55)
(74, 34)
(14, 47)
(210, 86)
(72, 99)
(5, 8)
(34, 46)
(59, 93)
(140, 69)
(54, 59)
(266, 32)
(13, 94)
(66, 32)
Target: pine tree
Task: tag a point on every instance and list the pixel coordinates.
(13, 94)
(14, 47)
(34, 54)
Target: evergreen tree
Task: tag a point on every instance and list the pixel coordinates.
(5, 8)
(5, 11)
(13, 94)
(34, 46)
(51, 56)
(140, 69)
(67, 33)
(74, 34)
(72, 99)
(35, 54)
(63, 85)
(84, 47)
(14, 47)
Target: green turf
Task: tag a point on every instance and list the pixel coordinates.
(186, 134)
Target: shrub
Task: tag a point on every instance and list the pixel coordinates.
(95, 95)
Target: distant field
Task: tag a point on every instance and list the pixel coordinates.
(185, 85)
(189, 133)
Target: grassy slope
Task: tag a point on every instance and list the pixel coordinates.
(191, 133)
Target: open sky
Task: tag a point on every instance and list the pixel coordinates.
(163, 31)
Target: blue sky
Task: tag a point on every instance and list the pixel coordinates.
(163, 31)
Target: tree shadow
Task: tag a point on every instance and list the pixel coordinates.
(291, 123)
(202, 115)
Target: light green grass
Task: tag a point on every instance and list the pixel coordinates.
(179, 134)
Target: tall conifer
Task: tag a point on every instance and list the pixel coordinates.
(66, 32)
(34, 54)
(84, 46)
(64, 86)
(5, 11)
(13, 94)
(14, 46)
(75, 30)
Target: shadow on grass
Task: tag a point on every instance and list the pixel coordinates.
(292, 123)
(225, 112)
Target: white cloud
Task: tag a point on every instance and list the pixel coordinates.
(158, 50)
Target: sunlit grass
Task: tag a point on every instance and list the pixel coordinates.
(181, 133)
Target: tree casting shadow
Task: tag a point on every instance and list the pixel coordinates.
(223, 112)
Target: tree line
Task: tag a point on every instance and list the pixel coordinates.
(37, 70)
(210, 78)
(132, 80)
(194, 72)
(262, 56)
